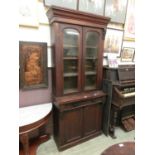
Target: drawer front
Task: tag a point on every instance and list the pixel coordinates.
(74, 105)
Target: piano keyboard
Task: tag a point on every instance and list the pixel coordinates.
(129, 94)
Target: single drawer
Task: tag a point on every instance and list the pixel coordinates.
(73, 105)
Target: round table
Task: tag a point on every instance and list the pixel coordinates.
(32, 118)
(125, 148)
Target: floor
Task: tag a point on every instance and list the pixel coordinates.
(94, 146)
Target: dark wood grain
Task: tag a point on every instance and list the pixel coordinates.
(33, 65)
(78, 114)
(34, 143)
(119, 79)
(83, 96)
(24, 132)
(77, 123)
(63, 15)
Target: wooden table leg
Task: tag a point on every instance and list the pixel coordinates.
(25, 142)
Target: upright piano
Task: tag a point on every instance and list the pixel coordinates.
(119, 84)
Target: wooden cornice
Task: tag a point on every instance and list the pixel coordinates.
(58, 14)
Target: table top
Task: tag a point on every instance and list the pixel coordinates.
(124, 148)
(31, 114)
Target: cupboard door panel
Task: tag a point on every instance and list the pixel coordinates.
(92, 119)
(71, 128)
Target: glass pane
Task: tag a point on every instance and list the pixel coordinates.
(91, 52)
(92, 6)
(90, 82)
(70, 85)
(70, 66)
(91, 59)
(70, 43)
(71, 49)
(90, 65)
(116, 10)
(92, 39)
(71, 4)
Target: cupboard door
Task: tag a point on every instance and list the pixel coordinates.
(92, 119)
(92, 58)
(71, 53)
(71, 126)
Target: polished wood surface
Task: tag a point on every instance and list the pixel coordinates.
(63, 15)
(78, 111)
(25, 130)
(77, 121)
(126, 148)
(83, 96)
(119, 84)
(34, 145)
(68, 20)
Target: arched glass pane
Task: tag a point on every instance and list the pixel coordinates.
(71, 52)
(70, 42)
(91, 59)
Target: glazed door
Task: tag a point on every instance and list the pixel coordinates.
(92, 58)
(71, 58)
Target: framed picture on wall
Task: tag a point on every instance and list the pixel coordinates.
(116, 10)
(127, 54)
(70, 4)
(113, 42)
(28, 13)
(33, 65)
(92, 6)
(129, 28)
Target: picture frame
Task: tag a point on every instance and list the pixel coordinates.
(33, 65)
(127, 54)
(113, 42)
(92, 6)
(28, 13)
(116, 10)
(70, 4)
(129, 28)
